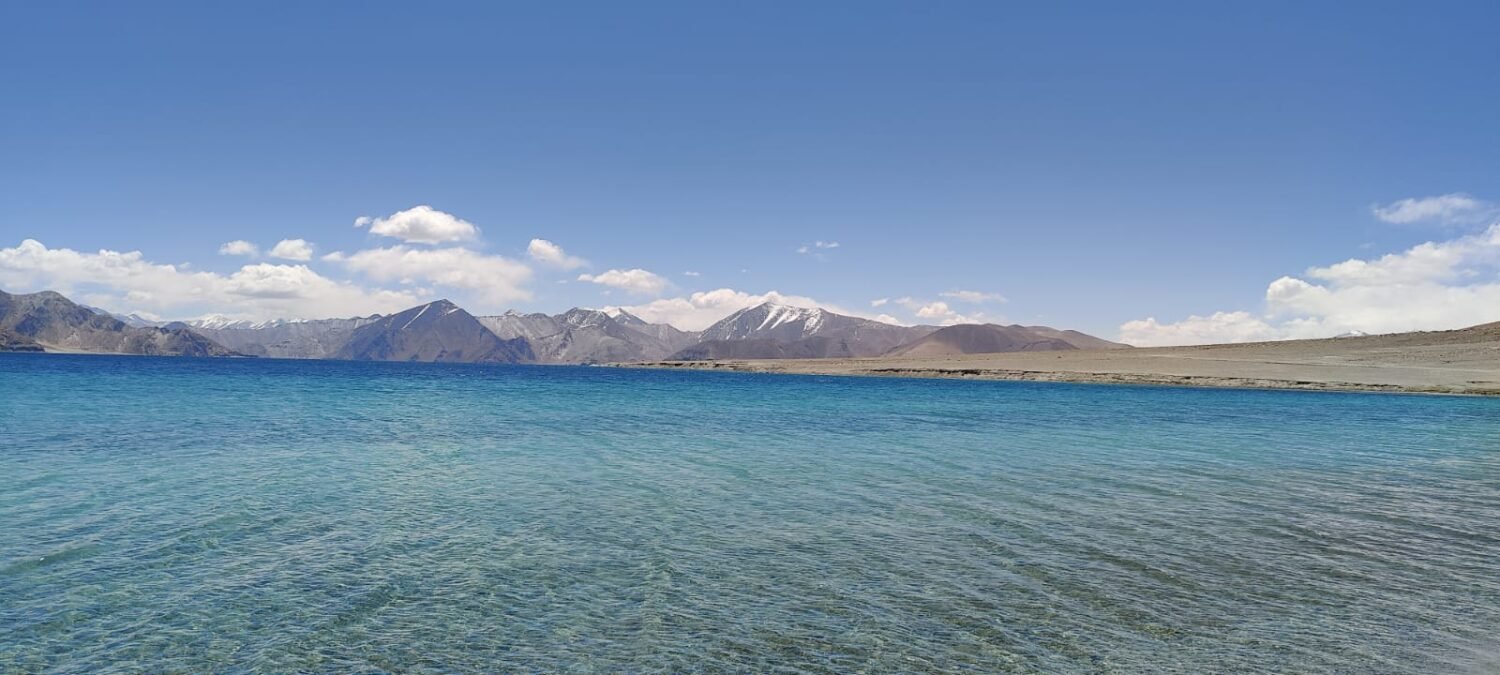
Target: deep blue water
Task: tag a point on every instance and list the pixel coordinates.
(236, 515)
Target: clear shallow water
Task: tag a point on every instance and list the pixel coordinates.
(195, 515)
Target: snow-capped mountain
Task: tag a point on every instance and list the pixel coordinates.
(776, 325)
(221, 322)
(770, 321)
(215, 322)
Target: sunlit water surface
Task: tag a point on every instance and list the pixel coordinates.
(239, 515)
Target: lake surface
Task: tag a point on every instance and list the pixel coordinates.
(237, 515)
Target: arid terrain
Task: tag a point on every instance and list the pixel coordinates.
(1463, 361)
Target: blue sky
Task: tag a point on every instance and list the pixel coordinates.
(1094, 164)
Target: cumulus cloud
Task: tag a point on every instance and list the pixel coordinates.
(973, 297)
(1450, 208)
(131, 283)
(1197, 330)
(637, 281)
(239, 247)
(1432, 286)
(937, 311)
(292, 249)
(944, 315)
(700, 310)
(490, 278)
(880, 302)
(552, 255)
(421, 225)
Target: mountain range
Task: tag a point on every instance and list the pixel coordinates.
(444, 332)
(48, 321)
(590, 336)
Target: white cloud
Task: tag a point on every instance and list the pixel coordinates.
(638, 281)
(422, 225)
(292, 249)
(973, 297)
(130, 283)
(933, 310)
(939, 312)
(1432, 286)
(809, 248)
(880, 302)
(691, 274)
(552, 255)
(1450, 208)
(239, 247)
(1197, 330)
(492, 279)
(702, 309)
(944, 315)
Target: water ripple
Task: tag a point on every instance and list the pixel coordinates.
(243, 516)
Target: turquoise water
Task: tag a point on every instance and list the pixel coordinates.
(237, 515)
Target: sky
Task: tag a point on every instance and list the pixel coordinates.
(1164, 173)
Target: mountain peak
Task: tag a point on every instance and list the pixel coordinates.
(619, 314)
(772, 305)
(579, 317)
(436, 331)
(442, 307)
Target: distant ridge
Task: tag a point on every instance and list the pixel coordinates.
(316, 339)
(996, 339)
(443, 331)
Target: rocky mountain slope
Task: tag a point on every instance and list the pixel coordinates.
(589, 336)
(317, 339)
(670, 335)
(11, 341)
(435, 332)
(53, 322)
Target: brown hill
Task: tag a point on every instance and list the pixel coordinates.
(994, 339)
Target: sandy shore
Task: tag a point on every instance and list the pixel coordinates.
(1447, 362)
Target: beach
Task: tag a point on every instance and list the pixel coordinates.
(1439, 362)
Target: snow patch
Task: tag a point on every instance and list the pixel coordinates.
(418, 316)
